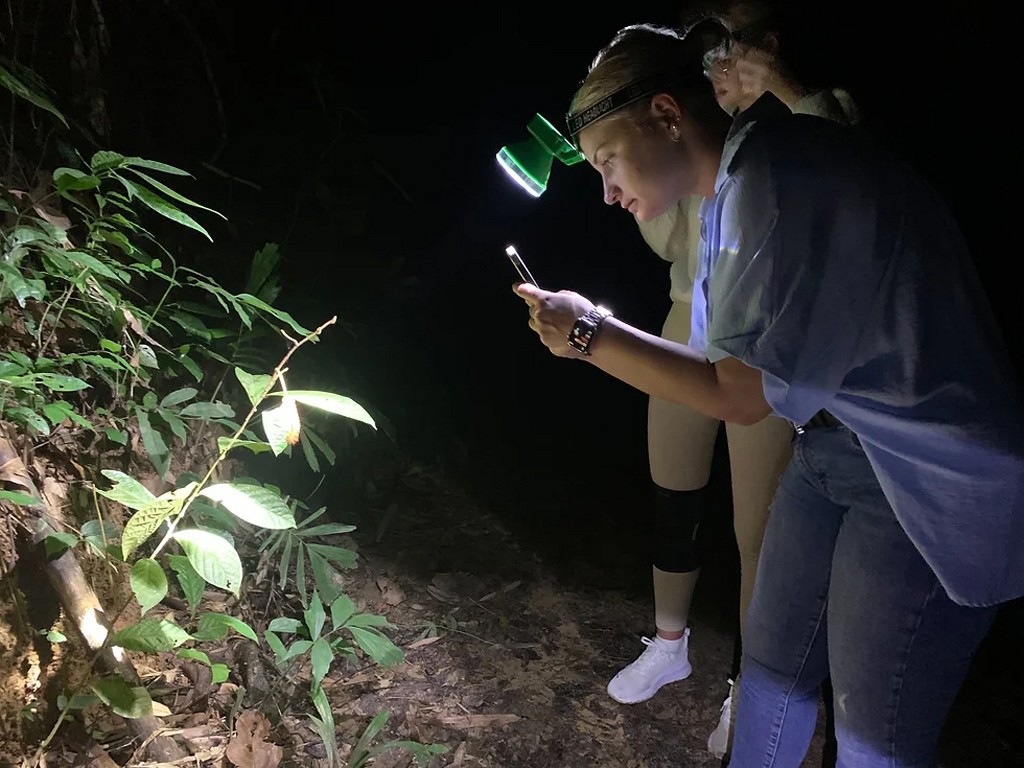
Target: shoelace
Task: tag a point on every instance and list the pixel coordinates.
(647, 658)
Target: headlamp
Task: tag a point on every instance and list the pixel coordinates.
(528, 162)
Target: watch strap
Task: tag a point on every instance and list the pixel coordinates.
(583, 330)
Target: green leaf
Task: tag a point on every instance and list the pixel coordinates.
(190, 365)
(17, 497)
(91, 263)
(56, 544)
(363, 620)
(253, 504)
(278, 423)
(53, 636)
(320, 657)
(325, 725)
(219, 673)
(314, 616)
(307, 451)
(208, 411)
(18, 88)
(341, 609)
(147, 357)
(148, 583)
(212, 557)
(58, 383)
(275, 645)
(380, 648)
(177, 425)
(321, 445)
(191, 583)
(332, 403)
(105, 160)
(153, 201)
(178, 396)
(115, 436)
(127, 490)
(20, 287)
(78, 701)
(322, 573)
(328, 529)
(123, 699)
(69, 179)
(215, 626)
(151, 635)
(144, 522)
(253, 383)
(153, 442)
(153, 165)
(194, 655)
(29, 418)
(284, 317)
(225, 444)
(281, 624)
(263, 280)
(343, 558)
(171, 193)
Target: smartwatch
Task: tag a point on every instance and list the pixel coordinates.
(586, 325)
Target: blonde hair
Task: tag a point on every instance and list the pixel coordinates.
(675, 61)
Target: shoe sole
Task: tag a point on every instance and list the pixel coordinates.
(662, 682)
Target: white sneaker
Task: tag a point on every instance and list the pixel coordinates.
(655, 667)
(718, 741)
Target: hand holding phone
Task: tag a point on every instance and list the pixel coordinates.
(520, 266)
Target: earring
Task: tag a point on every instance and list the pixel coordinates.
(675, 131)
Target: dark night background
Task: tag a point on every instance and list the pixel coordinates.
(371, 130)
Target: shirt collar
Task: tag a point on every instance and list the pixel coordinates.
(767, 106)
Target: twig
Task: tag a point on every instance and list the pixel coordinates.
(281, 367)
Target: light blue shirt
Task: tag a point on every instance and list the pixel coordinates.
(839, 274)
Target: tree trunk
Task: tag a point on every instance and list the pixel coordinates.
(81, 606)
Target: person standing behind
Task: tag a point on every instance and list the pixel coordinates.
(680, 440)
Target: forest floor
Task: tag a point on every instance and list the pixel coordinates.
(507, 655)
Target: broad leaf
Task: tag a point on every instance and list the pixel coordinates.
(213, 558)
(123, 699)
(127, 490)
(19, 88)
(148, 583)
(215, 626)
(151, 635)
(252, 503)
(332, 403)
(191, 583)
(144, 522)
(380, 648)
(280, 424)
(253, 383)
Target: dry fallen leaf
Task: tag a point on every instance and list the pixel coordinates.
(248, 748)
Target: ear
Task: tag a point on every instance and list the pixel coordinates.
(665, 111)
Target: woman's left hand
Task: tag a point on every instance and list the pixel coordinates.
(552, 316)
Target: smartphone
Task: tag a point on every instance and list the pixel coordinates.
(520, 266)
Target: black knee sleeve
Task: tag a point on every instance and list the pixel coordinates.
(677, 516)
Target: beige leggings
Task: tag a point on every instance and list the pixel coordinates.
(680, 445)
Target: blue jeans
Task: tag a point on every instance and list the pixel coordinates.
(841, 589)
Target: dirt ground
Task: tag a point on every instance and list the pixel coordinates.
(517, 675)
(507, 659)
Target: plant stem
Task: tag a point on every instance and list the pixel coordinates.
(281, 367)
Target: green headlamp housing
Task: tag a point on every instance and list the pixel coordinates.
(528, 162)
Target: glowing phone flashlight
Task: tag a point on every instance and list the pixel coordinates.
(520, 266)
